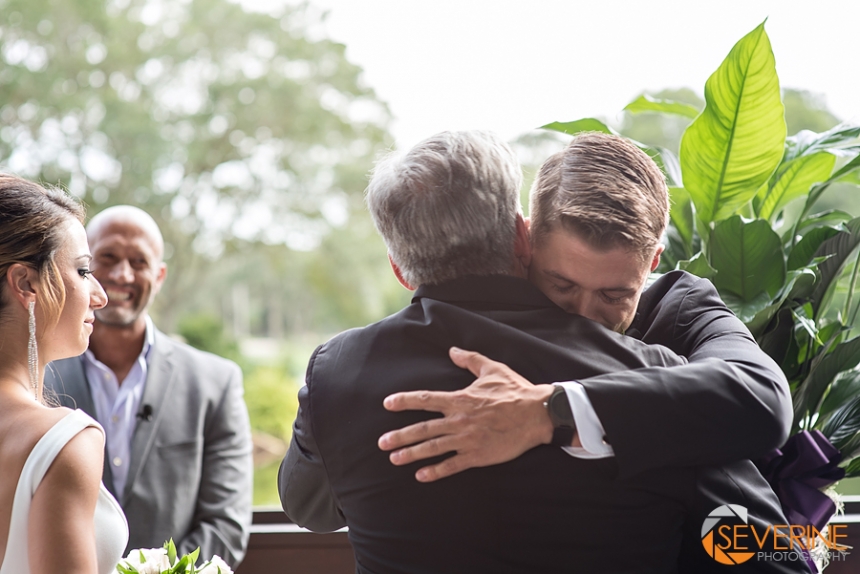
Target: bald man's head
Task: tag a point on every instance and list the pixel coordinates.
(130, 215)
(128, 253)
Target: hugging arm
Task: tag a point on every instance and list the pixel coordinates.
(729, 402)
(303, 484)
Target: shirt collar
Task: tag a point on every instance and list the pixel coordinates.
(494, 290)
(148, 341)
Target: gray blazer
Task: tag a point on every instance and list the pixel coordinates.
(191, 472)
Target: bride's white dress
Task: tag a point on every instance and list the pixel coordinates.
(110, 524)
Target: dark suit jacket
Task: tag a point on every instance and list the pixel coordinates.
(191, 474)
(684, 313)
(543, 512)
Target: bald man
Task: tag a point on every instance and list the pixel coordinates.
(178, 439)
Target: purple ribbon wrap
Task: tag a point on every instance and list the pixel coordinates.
(798, 471)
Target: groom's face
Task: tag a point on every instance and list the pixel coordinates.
(601, 285)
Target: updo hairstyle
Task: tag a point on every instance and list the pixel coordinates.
(32, 226)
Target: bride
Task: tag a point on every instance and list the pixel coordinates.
(55, 515)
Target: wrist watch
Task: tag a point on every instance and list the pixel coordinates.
(563, 425)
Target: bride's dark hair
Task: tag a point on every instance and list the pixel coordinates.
(32, 221)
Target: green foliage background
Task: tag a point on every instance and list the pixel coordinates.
(745, 214)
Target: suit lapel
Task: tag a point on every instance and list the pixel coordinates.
(159, 381)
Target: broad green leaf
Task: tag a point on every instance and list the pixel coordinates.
(681, 216)
(853, 178)
(733, 147)
(849, 168)
(802, 253)
(579, 126)
(747, 257)
(844, 388)
(838, 249)
(806, 142)
(646, 103)
(839, 414)
(698, 266)
(794, 179)
(845, 172)
(852, 468)
(801, 321)
(762, 318)
(843, 424)
(778, 337)
(831, 217)
(668, 162)
(832, 332)
(825, 367)
(805, 283)
(746, 311)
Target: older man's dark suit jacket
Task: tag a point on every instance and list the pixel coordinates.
(545, 511)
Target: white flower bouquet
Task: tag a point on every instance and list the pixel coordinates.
(164, 561)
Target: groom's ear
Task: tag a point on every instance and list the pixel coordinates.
(656, 260)
(399, 274)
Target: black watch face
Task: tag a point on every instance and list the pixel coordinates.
(560, 406)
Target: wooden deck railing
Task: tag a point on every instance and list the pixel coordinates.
(277, 545)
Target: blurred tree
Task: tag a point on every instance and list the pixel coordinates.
(206, 332)
(806, 110)
(225, 125)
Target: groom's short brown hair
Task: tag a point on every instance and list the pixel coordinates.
(605, 190)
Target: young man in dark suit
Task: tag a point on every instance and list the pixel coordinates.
(448, 212)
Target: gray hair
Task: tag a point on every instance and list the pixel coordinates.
(448, 207)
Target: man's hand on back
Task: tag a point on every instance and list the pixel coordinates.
(494, 420)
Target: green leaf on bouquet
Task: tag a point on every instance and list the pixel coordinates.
(171, 551)
(736, 143)
(181, 567)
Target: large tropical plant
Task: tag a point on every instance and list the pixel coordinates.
(744, 215)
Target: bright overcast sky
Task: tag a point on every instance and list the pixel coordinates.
(511, 65)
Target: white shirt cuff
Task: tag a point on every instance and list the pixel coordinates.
(588, 426)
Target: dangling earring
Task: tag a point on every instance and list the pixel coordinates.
(32, 350)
